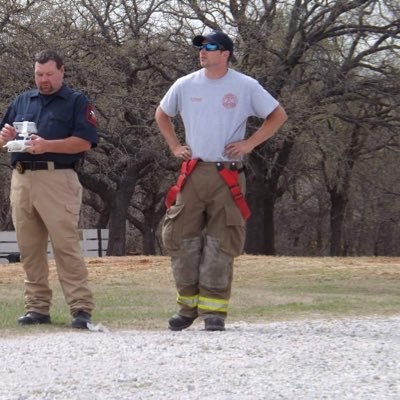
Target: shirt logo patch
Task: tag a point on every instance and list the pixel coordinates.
(229, 100)
(196, 99)
(91, 115)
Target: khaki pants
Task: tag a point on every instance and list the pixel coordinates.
(203, 232)
(47, 203)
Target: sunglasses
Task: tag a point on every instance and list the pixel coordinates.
(210, 47)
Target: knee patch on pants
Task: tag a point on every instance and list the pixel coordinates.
(216, 266)
(185, 267)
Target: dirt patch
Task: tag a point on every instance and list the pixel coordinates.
(119, 267)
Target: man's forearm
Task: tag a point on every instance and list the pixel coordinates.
(71, 145)
(271, 125)
(167, 129)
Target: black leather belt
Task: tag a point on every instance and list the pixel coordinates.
(232, 165)
(22, 166)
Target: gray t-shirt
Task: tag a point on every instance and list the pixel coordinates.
(215, 111)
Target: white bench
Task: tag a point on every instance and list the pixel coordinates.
(93, 243)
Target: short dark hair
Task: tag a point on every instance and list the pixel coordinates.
(49, 55)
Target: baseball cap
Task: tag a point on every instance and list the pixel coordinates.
(216, 37)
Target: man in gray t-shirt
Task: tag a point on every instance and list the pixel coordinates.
(204, 227)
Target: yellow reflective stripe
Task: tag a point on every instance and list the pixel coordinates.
(190, 301)
(220, 305)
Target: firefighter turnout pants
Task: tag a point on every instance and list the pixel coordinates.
(203, 231)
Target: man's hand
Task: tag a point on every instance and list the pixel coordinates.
(8, 133)
(268, 128)
(236, 150)
(183, 152)
(36, 145)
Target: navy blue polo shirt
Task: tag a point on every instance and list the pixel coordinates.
(58, 116)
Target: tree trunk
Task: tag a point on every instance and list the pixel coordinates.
(338, 208)
(151, 222)
(149, 241)
(260, 238)
(117, 224)
(255, 224)
(269, 227)
(119, 209)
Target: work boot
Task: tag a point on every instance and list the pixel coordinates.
(81, 319)
(33, 318)
(214, 323)
(178, 322)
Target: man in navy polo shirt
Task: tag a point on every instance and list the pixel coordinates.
(46, 194)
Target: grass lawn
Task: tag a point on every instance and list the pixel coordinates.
(138, 292)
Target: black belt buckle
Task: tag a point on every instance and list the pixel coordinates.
(19, 167)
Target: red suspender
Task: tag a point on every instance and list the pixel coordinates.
(231, 177)
(186, 169)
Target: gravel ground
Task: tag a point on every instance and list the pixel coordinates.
(318, 359)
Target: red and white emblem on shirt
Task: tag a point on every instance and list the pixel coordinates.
(229, 100)
(91, 115)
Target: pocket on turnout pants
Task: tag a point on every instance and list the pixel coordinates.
(171, 232)
(234, 234)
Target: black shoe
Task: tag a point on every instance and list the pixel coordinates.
(214, 324)
(81, 319)
(33, 318)
(178, 322)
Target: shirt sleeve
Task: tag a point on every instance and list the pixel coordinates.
(170, 101)
(85, 126)
(262, 102)
(9, 116)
